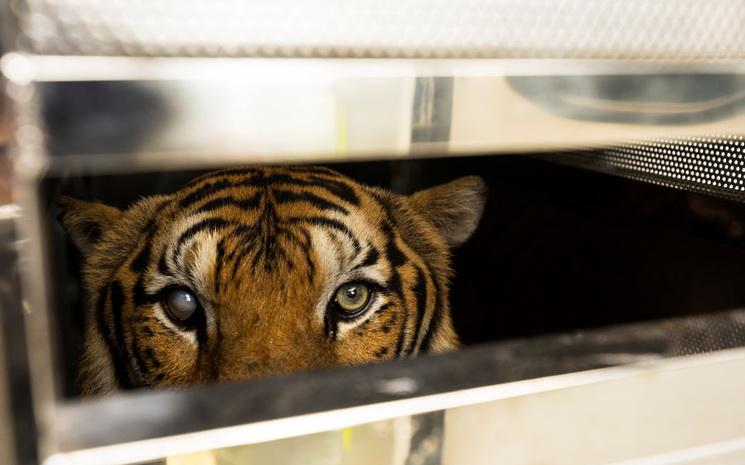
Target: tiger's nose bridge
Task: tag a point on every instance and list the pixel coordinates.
(258, 338)
(265, 327)
(254, 357)
(247, 357)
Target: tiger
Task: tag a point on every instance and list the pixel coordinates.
(247, 272)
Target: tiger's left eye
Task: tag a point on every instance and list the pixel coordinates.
(352, 298)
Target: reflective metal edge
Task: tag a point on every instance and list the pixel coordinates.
(646, 374)
(7, 433)
(26, 147)
(209, 112)
(20, 66)
(41, 334)
(21, 423)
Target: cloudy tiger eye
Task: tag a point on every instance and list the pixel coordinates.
(352, 298)
(180, 303)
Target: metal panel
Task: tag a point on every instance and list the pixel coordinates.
(81, 114)
(609, 415)
(291, 405)
(634, 29)
(646, 415)
(712, 165)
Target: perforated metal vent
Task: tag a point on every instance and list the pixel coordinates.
(707, 334)
(712, 165)
(669, 29)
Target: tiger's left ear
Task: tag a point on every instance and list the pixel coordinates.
(85, 221)
(454, 208)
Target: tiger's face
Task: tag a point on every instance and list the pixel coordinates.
(247, 272)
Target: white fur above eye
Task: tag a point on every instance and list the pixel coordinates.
(337, 269)
(200, 259)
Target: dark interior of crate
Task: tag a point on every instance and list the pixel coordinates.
(558, 249)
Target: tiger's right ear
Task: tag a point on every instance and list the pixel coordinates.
(454, 208)
(85, 221)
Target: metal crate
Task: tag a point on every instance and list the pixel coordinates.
(654, 91)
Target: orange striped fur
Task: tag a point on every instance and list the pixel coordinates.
(264, 252)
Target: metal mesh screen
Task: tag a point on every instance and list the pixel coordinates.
(717, 332)
(712, 165)
(634, 29)
(620, 344)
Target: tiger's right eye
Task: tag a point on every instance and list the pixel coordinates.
(180, 303)
(352, 298)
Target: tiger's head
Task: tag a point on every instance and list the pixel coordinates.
(247, 272)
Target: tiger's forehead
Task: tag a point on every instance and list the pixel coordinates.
(244, 224)
(316, 182)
